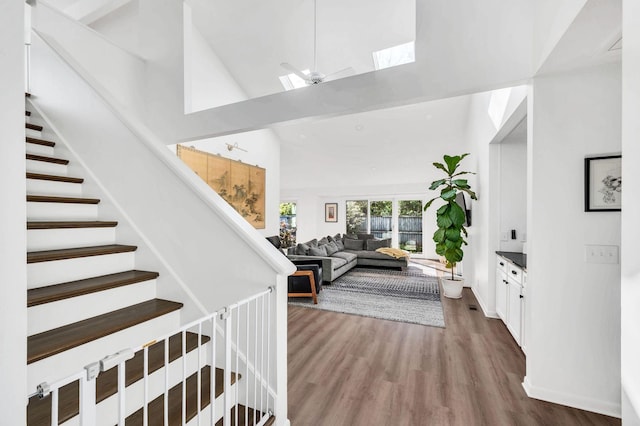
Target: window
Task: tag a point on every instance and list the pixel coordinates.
(396, 55)
(288, 225)
(357, 216)
(292, 81)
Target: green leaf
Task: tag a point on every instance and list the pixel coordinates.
(452, 234)
(436, 183)
(452, 163)
(441, 167)
(457, 215)
(462, 173)
(448, 194)
(439, 235)
(471, 194)
(460, 183)
(453, 255)
(440, 249)
(444, 220)
(444, 209)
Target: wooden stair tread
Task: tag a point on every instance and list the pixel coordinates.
(33, 127)
(77, 252)
(39, 410)
(54, 178)
(39, 141)
(52, 293)
(156, 407)
(46, 159)
(52, 342)
(71, 224)
(68, 200)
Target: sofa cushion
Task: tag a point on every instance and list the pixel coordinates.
(302, 249)
(366, 254)
(322, 241)
(348, 256)
(337, 262)
(365, 236)
(340, 245)
(350, 244)
(373, 245)
(318, 251)
(331, 248)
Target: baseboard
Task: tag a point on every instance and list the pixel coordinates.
(575, 401)
(485, 311)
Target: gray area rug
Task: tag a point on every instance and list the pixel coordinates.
(406, 296)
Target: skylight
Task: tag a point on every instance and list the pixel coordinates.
(396, 55)
(292, 81)
(498, 105)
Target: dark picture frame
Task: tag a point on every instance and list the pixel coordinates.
(603, 183)
(330, 212)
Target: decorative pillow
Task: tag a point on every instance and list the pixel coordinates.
(334, 238)
(331, 248)
(312, 243)
(323, 241)
(291, 250)
(365, 236)
(302, 249)
(350, 244)
(373, 245)
(339, 244)
(318, 251)
(350, 236)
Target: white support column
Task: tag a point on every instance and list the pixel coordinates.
(280, 353)
(13, 306)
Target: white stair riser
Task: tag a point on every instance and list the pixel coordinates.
(52, 315)
(33, 133)
(59, 366)
(61, 211)
(46, 168)
(33, 148)
(47, 273)
(52, 239)
(50, 187)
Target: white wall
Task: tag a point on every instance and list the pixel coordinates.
(574, 328)
(513, 191)
(13, 246)
(630, 214)
(121, 26)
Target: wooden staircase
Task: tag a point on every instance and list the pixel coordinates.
(86, 300)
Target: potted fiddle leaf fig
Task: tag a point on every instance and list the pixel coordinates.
(450, 218)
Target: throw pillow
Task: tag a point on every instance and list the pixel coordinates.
(323, 241)
(318, 251)
(350, 236)
(312, 243)
(340, 245)
(350, 244)
(334, 238)
(365, 236)
(302, 249)
(291, 250)
(373, 245)
(331, 248)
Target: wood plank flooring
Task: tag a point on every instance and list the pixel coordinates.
(351, 370)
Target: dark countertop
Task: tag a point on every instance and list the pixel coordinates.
(519, 259)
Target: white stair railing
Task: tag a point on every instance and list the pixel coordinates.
(240, 341)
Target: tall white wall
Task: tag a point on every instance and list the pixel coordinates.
(13, 247)
(573, 330)
(513, 191)
(630, 214)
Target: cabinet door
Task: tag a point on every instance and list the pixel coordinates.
(514, 318)
(502, 290)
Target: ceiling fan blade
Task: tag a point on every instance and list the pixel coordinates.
(345, 72)
(294, 70)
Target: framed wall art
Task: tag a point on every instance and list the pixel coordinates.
(331, 212)
(603, 183)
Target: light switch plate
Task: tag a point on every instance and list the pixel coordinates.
(602, 254)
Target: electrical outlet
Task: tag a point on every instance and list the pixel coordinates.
(602, 254)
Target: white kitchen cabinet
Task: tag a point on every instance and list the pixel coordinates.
(510, 294)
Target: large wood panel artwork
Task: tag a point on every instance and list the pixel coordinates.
(240, 184)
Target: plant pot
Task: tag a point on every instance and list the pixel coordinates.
(452, 288)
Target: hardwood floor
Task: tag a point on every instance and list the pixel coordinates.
(351, 370)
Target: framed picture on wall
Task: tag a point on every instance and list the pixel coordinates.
(603, 183)
(330, 212)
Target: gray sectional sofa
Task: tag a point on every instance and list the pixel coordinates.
(340, 254)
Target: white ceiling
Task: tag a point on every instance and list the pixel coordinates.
(253, 37)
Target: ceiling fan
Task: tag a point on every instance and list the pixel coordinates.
(314, 76)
